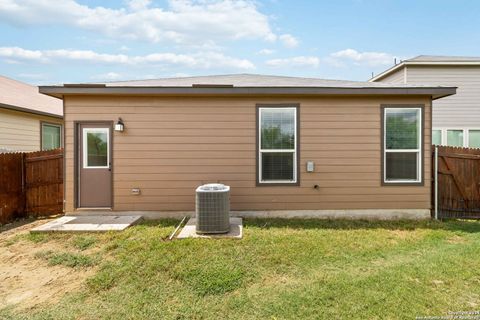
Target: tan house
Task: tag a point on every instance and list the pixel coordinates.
(29, 121)
(456, 119)
(287, 146)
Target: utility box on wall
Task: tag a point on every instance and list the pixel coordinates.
(310, 166)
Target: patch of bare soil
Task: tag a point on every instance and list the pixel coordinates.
(27, 281)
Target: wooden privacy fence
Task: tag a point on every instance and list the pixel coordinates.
(458, 184)
(31, 184)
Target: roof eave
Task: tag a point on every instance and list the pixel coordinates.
(60, 91)
(31, 111)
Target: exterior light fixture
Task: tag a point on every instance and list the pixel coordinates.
(119, 126)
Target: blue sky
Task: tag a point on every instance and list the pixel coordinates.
(66, 41)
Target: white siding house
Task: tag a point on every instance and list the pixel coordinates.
(456, 119)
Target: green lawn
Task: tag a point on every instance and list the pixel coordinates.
(282, 269)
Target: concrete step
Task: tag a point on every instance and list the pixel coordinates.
(100, 223)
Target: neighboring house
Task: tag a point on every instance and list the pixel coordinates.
(286, 146)
(29, 121)
(456, 119)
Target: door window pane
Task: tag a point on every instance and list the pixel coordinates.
(278, 129)
(455, 138)
(437, 137)
(474, 138)
(51, 136)
(401, 166)
(402, 127)
(96, 147)
(277, 166)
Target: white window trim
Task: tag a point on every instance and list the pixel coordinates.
(85, 147)
(59, 126)
(260, 150)
(418, 150)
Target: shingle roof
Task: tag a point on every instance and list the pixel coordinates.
(427, 58)
(21, 96)
(246, 84)
(251, 80)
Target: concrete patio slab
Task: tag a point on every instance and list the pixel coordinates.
(236, 230)
(99, 223)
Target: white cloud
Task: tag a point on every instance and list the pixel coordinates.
(200, 60)
(137, 5)
(361, 58)
(288, 40)
(183, 22)
(300, 61)
(266, 51)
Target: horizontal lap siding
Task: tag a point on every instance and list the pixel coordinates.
(398, 76)
(20, 131)
(457, 111)
(172, 145)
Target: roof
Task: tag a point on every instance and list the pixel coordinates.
(23, 97)
(428, 60)
(244, 84)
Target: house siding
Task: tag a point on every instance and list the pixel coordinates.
(20, 131)
(398, 76)
(173, 144)
(460, 110)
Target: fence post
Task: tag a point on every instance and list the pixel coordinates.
(24, 185)
(436, 183)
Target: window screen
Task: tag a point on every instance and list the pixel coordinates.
(474, 138)
(51, 136)
(455, 138)
(402, 144)
(277, 145)
(437, 137)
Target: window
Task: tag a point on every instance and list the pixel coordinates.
(437, 137)
(474, 138)
(95, 148)
(455, 138)
(402, 139)
(277, 145)
(51, 136)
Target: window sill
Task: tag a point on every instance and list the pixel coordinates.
(403, 183)
(280, 184)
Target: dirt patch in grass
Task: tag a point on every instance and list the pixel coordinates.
(26, 280)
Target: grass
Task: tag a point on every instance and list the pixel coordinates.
(67, 259)
(282, 269)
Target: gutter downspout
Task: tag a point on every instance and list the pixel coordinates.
(435, 196)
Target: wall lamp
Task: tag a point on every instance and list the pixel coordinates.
(119, 126)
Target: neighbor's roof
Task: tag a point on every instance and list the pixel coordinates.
(426, 60)
(20, 96)
(245, 84)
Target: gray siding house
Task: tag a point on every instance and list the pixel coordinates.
(456, 119)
